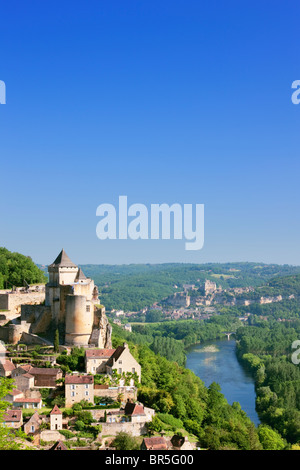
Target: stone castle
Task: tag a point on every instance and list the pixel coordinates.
(71, 304)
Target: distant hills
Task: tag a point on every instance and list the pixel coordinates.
(135, 286)
(132, 287)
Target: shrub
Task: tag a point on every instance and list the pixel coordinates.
(170, 420)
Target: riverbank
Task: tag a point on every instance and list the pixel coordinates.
(216, 361)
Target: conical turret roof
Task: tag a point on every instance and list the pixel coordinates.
(80, 276)
(63, 260)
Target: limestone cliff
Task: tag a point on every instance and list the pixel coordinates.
(101, 334)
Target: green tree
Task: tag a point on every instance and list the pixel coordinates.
(7, 436)
(270, 439)
(56, 341)
(125, 441)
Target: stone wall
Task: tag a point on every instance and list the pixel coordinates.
(135, 429)
(129, 393)
(38, 315)
(29, 338)
(13, 301)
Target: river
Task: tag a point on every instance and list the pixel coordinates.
(216, 361)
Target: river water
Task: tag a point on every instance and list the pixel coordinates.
(216, 361)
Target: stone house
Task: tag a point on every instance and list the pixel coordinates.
(181, 443)
(13, 395)
(43, 376)
(24, 402)
(123, 362)
(24, 381)
(20, 370)
(32, 426)
(13, 418)
(78, 387)
(137, 413)
(154, 443)
(96, 360)
(6, 368)
(59, 445)
(46, 376)
(56, 419)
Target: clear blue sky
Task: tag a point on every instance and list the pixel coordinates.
(162, 101)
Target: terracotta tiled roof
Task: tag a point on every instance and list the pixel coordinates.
(45, 370)
(115, 356)
(155, 443)
(27, 400)
(99, 353)
(56, 411)
(26, 367)
(79, 379)
(134, 409)
(7, 365)
(59, 445)
(12, 415)
(15, 392)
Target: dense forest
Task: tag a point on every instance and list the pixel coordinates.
(181, 398)
(171, 338)
(266, 348)
(16, 269)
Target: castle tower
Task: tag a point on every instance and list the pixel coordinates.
(62, 272)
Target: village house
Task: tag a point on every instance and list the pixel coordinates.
(13, 419)
(32, 426)
(120, 360)
(6, 368)
(24, 381)
(123, 362)
(24, 402)
(137, 413)
(96, 360)
(78, 387)
(59, 445)
(181, 443)
(56, 422)
(13, 395)
(43, 376)
(154, 443)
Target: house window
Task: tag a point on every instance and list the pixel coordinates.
(120, 362)
(133, 370)
(120, 371)
(86, 385)
(86, 393)
(88, 308)
(72, 394)
(32, 428)
(72, 387)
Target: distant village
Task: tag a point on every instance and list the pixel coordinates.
(106, 390)
(197, 303)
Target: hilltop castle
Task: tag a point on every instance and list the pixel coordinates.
(71, 303)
